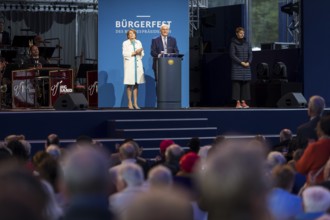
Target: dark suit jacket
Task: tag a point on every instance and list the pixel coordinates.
(307, 131)
(5, 38)
(157, 47)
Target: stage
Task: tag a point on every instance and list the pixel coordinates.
(149, 126)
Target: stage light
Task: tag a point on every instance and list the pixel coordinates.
(290, 8)
(280, 71)
(262, 71)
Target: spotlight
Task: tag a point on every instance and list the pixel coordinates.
(280, 72)
(262, 71)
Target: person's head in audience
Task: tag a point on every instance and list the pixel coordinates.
(283, 177)
(188, 162)
(160, 205)
(21, 195)
(316, 199)
(285, 134)
(127, 151)
(160, 176)
(85, 172)
(18, 150)
(84, 140)
(194, 144)
(275, 158)
(39, 157)
(129, 175)
(323, 127)
(52, 139)
(234, 185)
(203, 155)
(316, 105)
(173, 153)
(54, 150)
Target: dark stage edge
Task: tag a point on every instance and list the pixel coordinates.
(149, 126)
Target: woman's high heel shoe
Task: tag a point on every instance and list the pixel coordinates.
(136, 107)
(130, 107)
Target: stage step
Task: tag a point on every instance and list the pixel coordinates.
(161, 128)
(115, 125)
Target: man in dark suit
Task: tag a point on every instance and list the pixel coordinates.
(307, 131)
(4, 35)
(163, 44)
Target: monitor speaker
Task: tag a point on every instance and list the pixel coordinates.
(292, 100)
(71, 101)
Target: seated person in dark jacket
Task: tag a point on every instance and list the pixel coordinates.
(34, 60)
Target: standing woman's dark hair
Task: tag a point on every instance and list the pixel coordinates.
(241, 57)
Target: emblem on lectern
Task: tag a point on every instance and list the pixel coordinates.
(170, 62)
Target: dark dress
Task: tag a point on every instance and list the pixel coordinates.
(240, 51)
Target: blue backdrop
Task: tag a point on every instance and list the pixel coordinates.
(146, 17)
(316, 48)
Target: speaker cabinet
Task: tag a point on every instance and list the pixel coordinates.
(292, 100)
(71, 101)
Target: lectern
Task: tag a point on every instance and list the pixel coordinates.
(169, 81)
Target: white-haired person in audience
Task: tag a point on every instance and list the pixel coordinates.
(282, 203)
(129, 183)
(234, 185)
(274, 159)
(306, 132)
(316, 201)
(86, 181)
(160, 176)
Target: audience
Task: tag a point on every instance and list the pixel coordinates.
(316, 155)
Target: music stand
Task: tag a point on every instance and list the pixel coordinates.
(84, 67)
(22, 41)
(46, 52)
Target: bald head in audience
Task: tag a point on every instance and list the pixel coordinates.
(160, 176)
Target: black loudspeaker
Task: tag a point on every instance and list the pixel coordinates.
(71, 101)
(292, 100)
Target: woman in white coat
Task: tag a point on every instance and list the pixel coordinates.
(133, 67)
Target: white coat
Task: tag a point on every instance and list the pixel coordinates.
(129, 63)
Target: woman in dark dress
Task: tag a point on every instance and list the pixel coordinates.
(241, 56)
